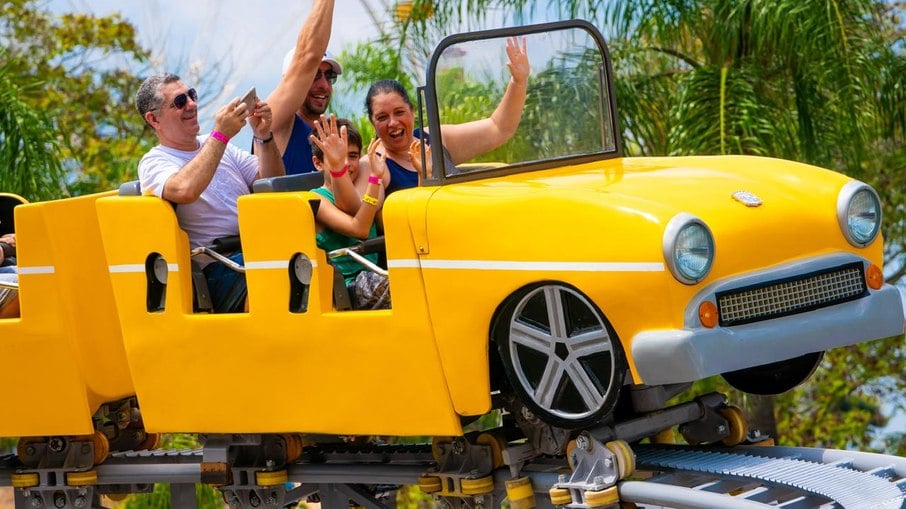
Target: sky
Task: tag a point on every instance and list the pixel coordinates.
(250, 37)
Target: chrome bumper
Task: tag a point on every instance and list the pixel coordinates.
(696, 352)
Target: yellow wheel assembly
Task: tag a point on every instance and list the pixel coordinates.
(82, 478)
(739, 428)
(293, 446)
(560, 496)
(520, 493)
(101, 446)
(625, 458)
(429, 484)
(25, 480)
(602, 498)
(569, 454)
(151, 442)
(271, 478)
(478, 486)
(496, 445)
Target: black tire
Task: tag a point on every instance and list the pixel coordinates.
(776, 377)
(560, 355)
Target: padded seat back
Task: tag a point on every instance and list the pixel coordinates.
(132, 188)
(286, 183)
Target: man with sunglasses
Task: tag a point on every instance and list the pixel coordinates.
(304, 91)
(205, 175)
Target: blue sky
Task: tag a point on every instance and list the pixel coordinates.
(248, 38)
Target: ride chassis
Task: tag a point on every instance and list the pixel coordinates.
(478, 470)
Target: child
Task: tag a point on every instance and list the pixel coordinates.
(336, 147)
(9, 297)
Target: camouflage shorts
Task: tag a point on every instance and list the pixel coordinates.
(7, 294)
(372, 291)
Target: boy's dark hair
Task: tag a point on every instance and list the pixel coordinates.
(352, 135)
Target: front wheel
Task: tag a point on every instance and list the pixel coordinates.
(776, 377)
(560, 355)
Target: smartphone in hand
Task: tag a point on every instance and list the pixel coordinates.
(250, 99)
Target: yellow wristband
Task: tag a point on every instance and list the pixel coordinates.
(370, 200)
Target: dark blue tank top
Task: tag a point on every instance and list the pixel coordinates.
(297, 157)
(400, 177)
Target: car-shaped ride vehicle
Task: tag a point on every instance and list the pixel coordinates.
(553, 271)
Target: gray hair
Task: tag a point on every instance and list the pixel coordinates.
(149, 98)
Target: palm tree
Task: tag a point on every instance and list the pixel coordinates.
(793, 79)
(29, 154)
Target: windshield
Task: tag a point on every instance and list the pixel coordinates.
(567, 112)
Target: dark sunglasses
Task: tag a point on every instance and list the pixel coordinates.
(330, 76)
(179, 102)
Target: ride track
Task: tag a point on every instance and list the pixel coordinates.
(476, 471)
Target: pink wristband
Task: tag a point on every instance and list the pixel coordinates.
(374, 179)
(338, 174)
(219, 136)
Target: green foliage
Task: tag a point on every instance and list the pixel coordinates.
(788, 79)
(208, 497)
(85, 65)
(367, 63)
(29, 151)
(557, 117)
(411, 497)
(362, 66)
(8, 445)
(841, 406)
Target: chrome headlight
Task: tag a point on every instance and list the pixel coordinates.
(688, 248)
(859, 213)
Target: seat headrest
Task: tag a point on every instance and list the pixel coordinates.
(282, 184)
(133, 188)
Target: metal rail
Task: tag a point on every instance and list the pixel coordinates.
(666, 476)
(776, 476)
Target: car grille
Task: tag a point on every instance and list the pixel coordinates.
(790, 296)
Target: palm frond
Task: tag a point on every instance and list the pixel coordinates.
(29, 152)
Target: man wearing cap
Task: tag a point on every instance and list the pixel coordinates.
(304, 91)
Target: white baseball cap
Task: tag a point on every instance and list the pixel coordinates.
(337, 68)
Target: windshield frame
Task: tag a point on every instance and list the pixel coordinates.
(428, 94)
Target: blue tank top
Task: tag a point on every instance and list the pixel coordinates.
(400, 177)
(297, 157)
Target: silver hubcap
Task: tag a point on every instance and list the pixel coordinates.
(561, 351)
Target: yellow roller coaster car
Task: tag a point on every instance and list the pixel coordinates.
(558, 278)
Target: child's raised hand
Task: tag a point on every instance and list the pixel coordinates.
(332, 141)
